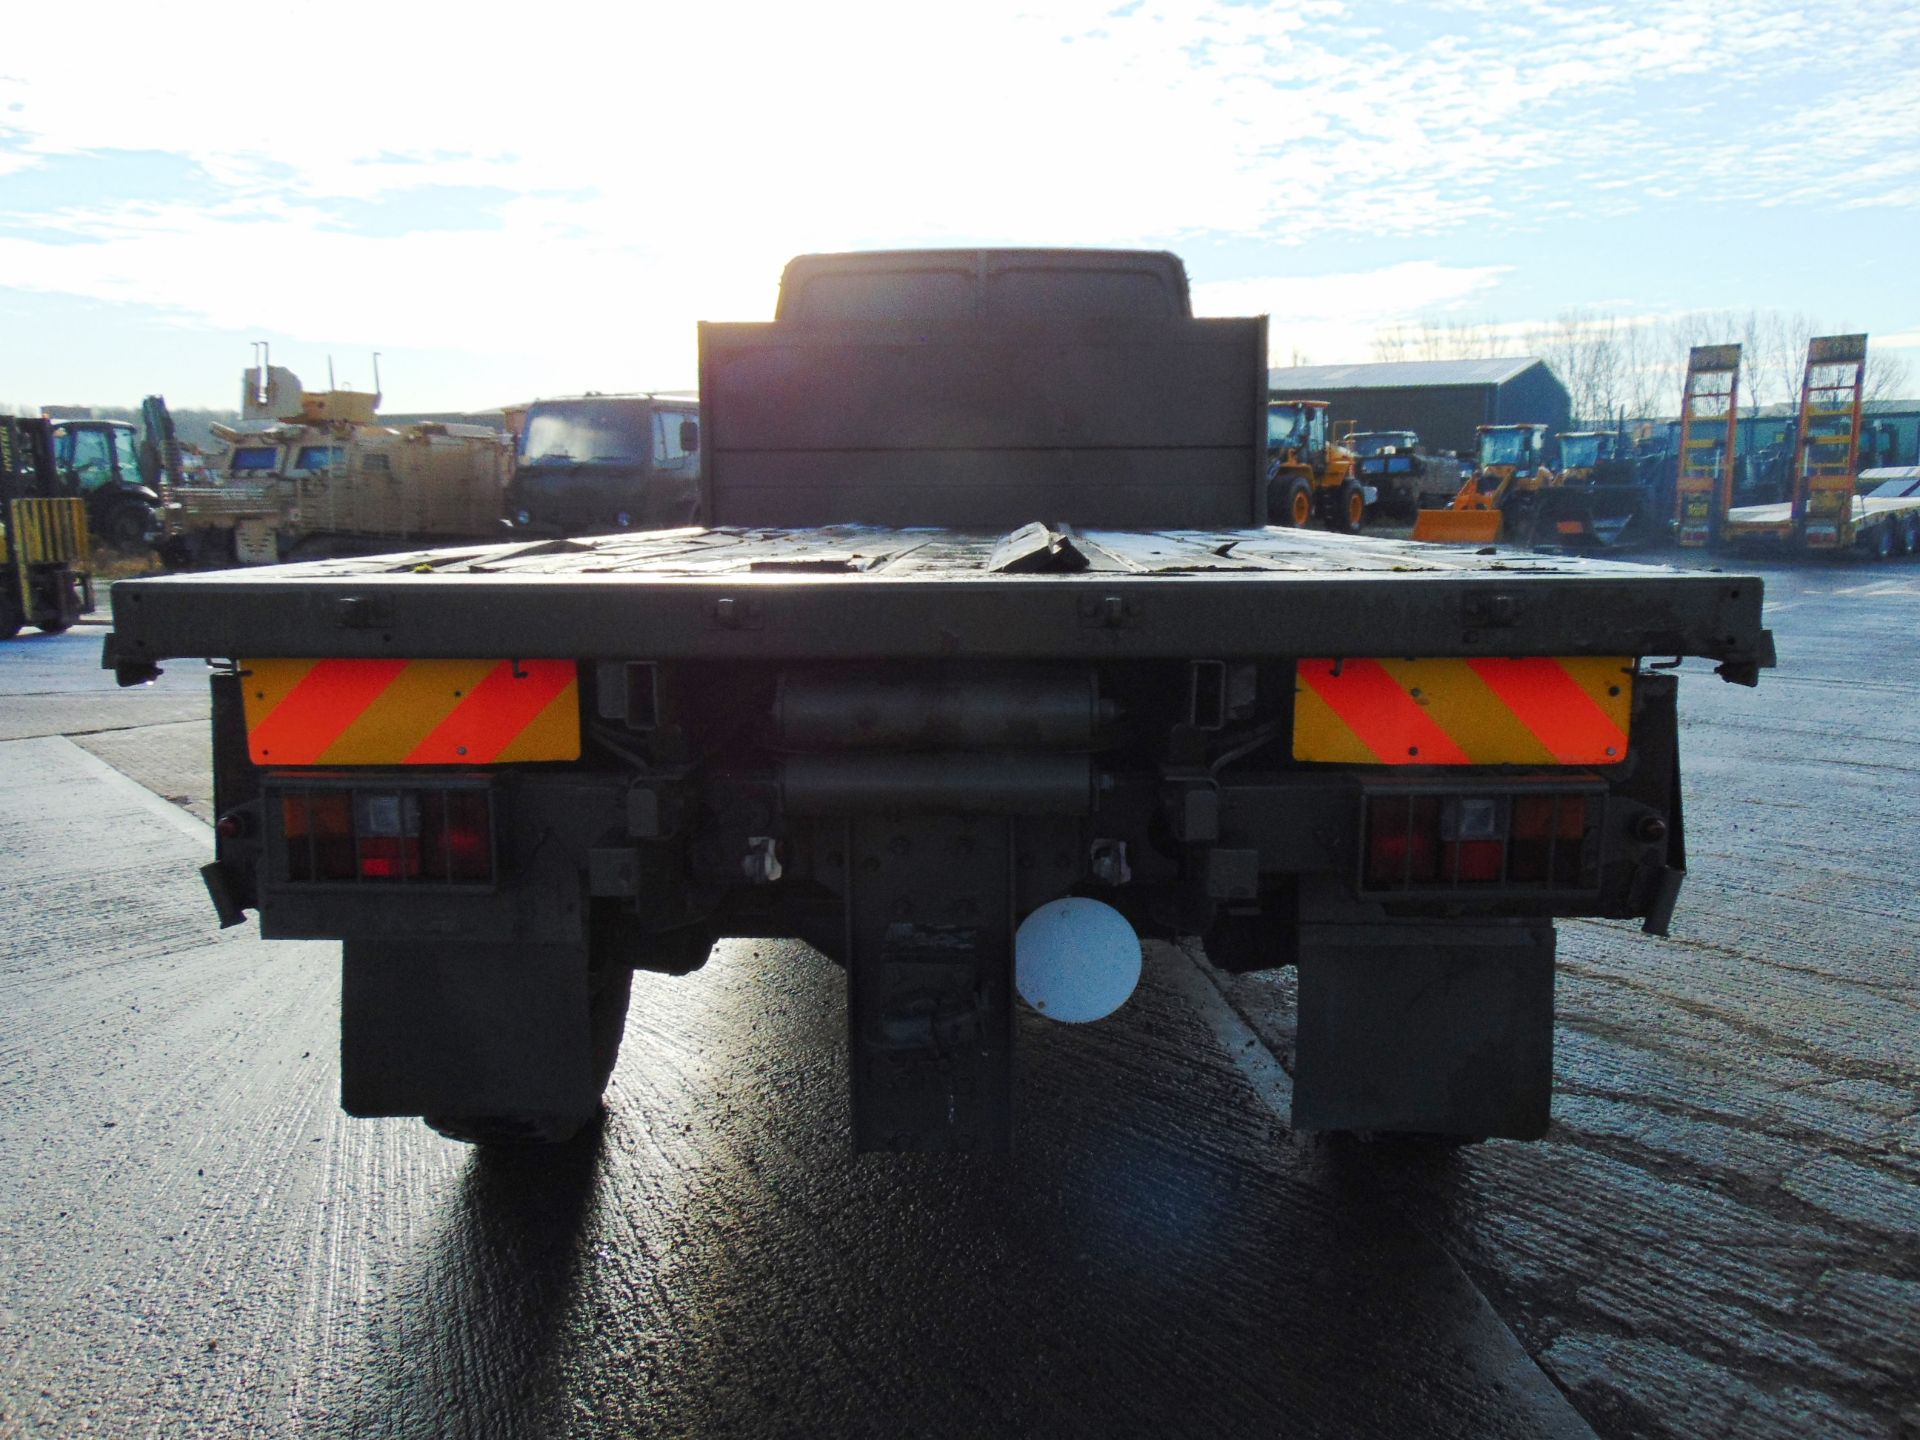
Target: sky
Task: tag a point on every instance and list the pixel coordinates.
(529, 200)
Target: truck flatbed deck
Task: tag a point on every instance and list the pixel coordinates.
(852, 592)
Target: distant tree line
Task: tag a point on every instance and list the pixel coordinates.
(1632, 367)
(193, 426)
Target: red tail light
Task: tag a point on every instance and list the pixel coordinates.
(458, 835)
(1402, 840)
(1548, 838)
(1440, 841)
(418, 835)
(318, 830)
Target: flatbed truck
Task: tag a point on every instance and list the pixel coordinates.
(986, 663)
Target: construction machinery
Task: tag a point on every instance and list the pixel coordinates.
(1825, 511)
(1709, 435)
(1400, 469)
(1606, 494)
(1509, 473)
(1311, 473)
(312, 474)
(46, 564)
(163, 460)
(99, 460)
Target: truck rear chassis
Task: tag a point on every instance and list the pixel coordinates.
(892, 745)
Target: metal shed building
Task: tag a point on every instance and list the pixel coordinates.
(1441, 399)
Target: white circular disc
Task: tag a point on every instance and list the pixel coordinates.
(1076, 960)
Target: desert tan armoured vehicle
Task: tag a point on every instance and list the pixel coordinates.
(311, 474)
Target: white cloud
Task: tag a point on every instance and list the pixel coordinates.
(667, 159)
(1333, 318)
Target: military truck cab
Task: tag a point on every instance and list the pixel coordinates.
(600, 464)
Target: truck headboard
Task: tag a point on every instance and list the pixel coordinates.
(985, 425)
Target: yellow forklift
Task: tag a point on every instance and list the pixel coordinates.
(46, 553)
(1508, 476)
(1311, 474)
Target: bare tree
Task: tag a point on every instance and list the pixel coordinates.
(1784, 363)
(1587, 352)
(1390, 345)
(1617, 366)
(1888, 377)
(1645, 392)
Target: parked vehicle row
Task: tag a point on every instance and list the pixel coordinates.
(310, 475)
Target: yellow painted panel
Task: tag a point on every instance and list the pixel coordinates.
(267, 683)
(1460, 703)
(1496, 711)
(1608, 681)
(554, 733)
(1322, 736)
(410, 712)
(406, 712)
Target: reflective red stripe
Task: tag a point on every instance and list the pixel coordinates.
(314, 713)
(1387, 720)
(500, 707)
(1550, 703)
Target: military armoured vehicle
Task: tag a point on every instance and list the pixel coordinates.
(313, 474)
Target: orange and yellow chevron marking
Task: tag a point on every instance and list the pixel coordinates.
(411, 712)
(1532, 711)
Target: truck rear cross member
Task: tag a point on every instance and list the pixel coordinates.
(966, 761)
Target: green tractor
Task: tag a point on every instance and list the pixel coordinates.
(99, 460)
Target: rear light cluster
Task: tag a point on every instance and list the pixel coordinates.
(353, 834)
(1425, 841)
